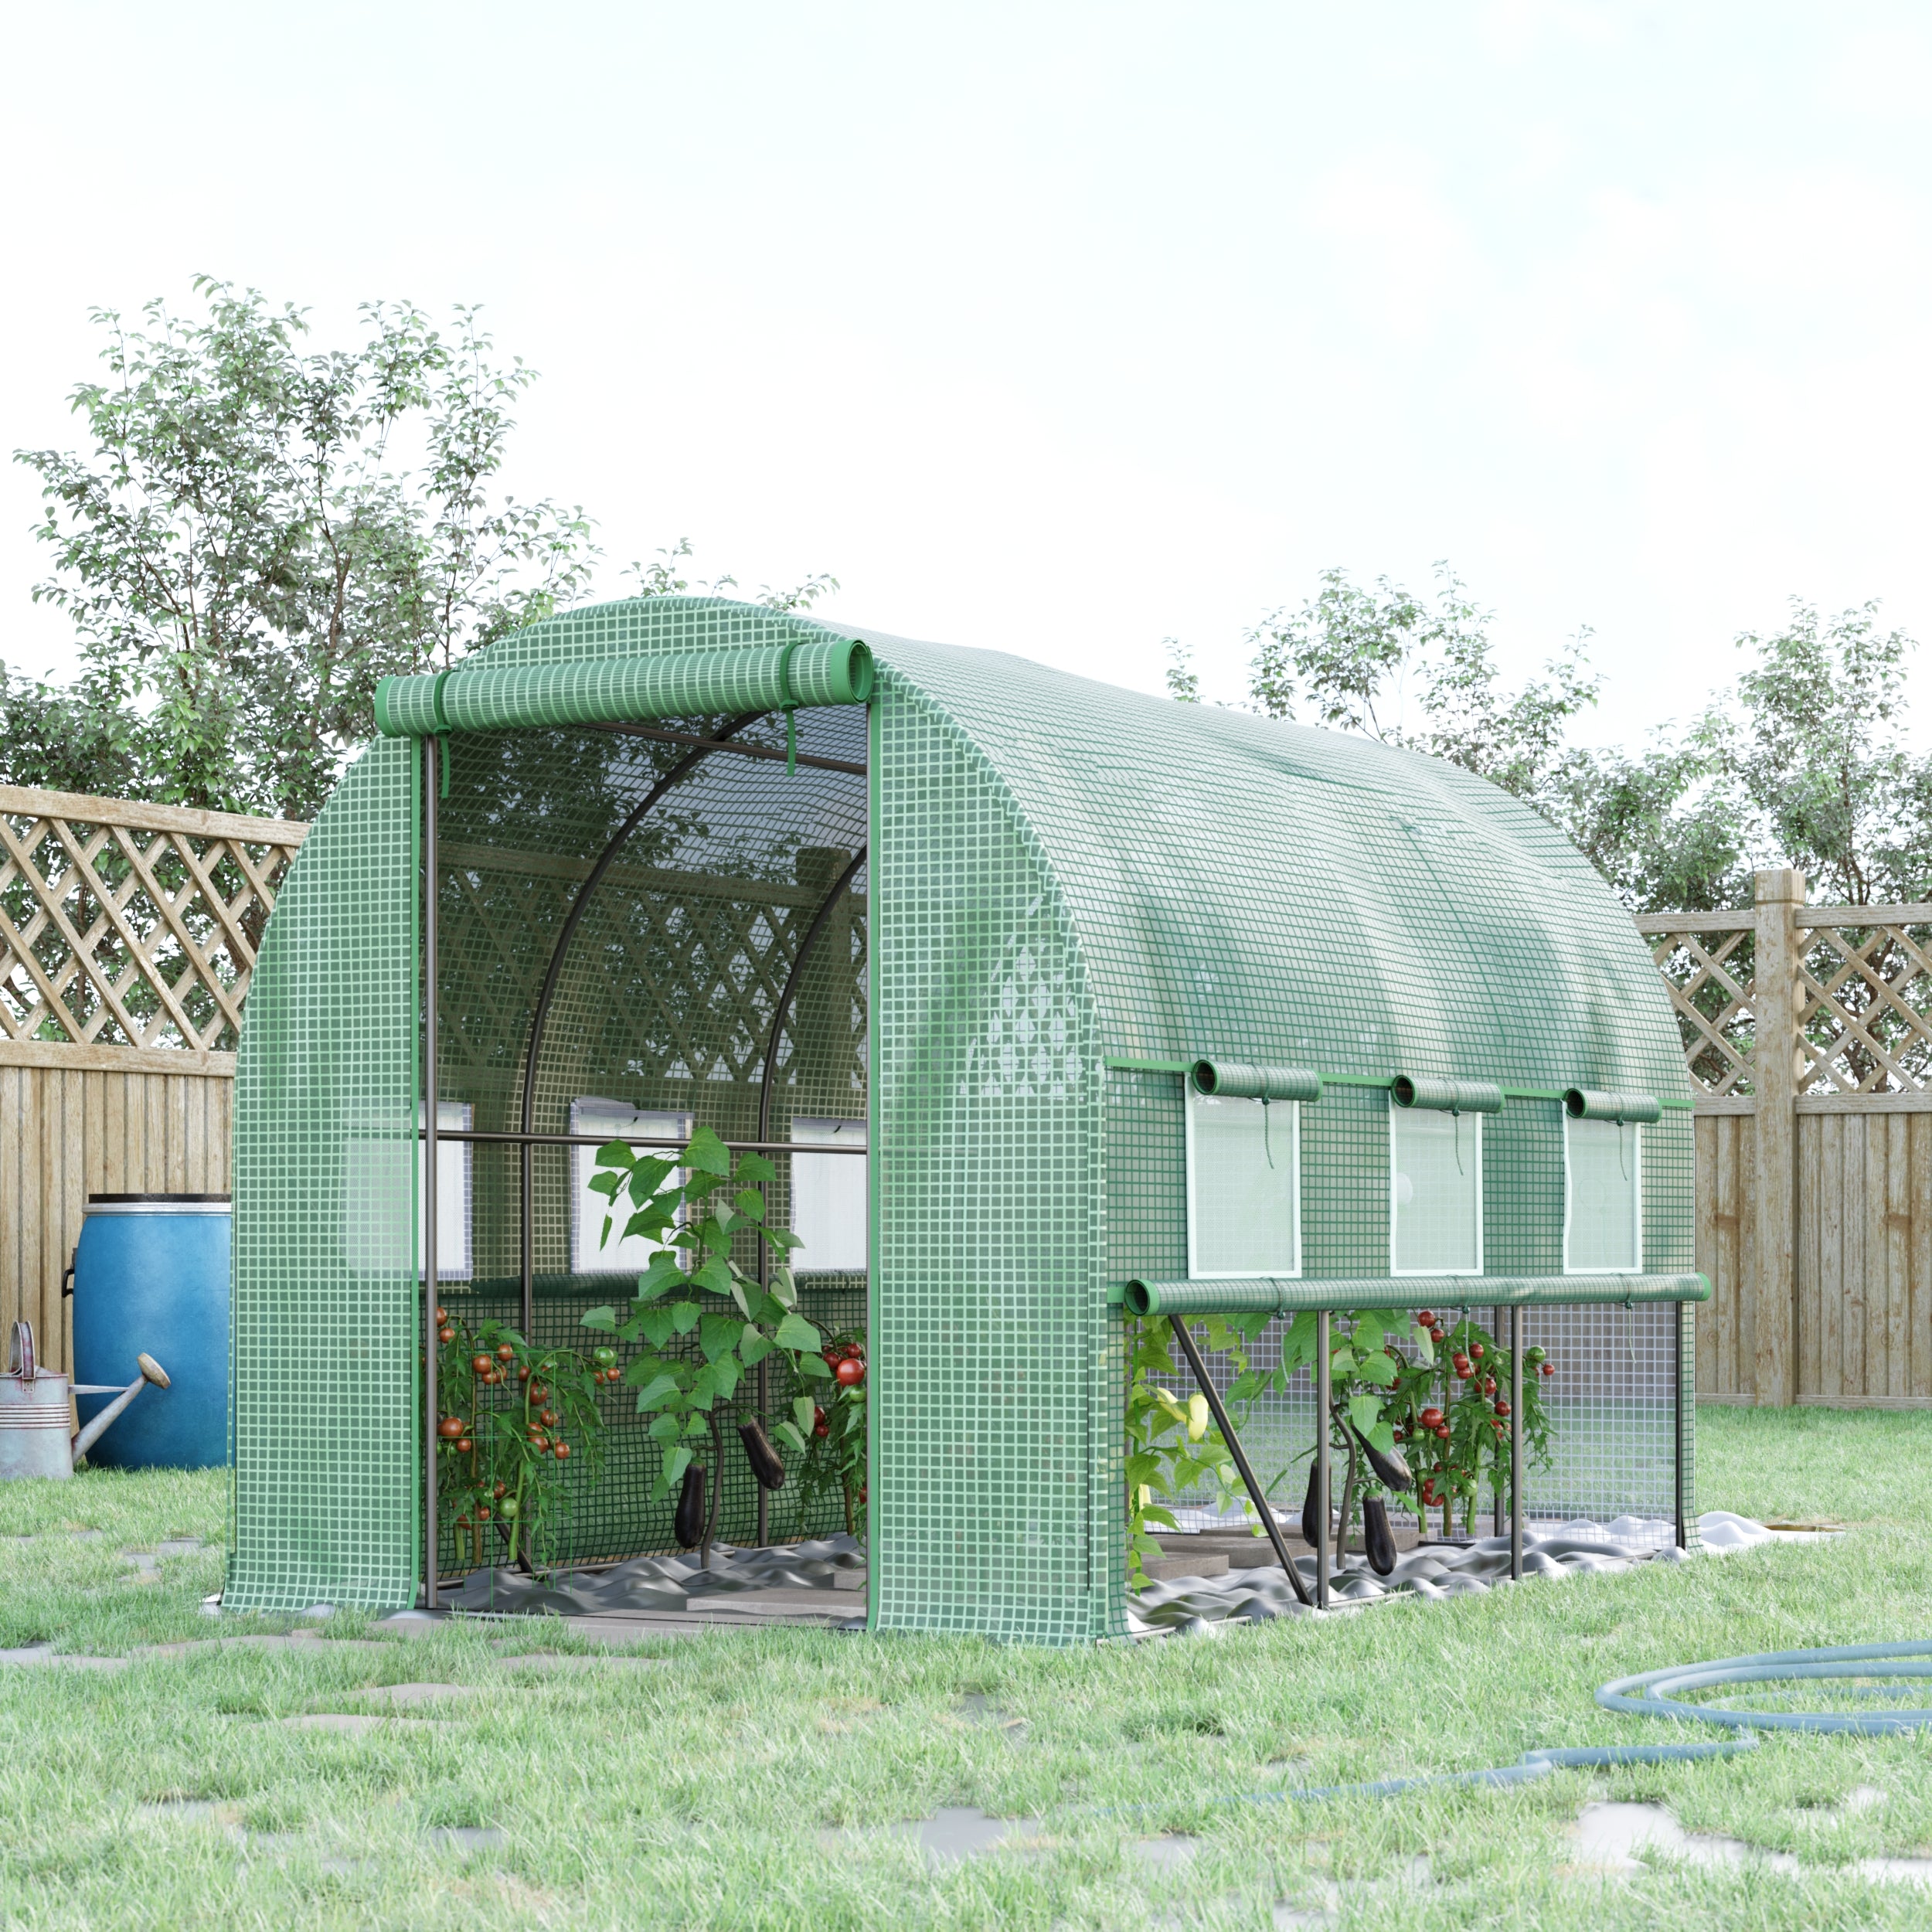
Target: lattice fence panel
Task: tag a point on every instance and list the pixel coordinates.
(1864, 1017)
(1706, 960)
(123, 924)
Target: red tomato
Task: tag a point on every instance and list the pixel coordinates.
(539, 1392)
(1549, 1368)
(1430, 1417)
(562, 1451)
(442, 1315)
(862, 1495)
(821, 1428)
(446, 1336)
(548, 1418)
(482, 1512)
(1475, 1348)
(462, 1522)
(1502, 1408)
(480, 1364)
(464, 1445)
(523, 1374)
(850, 1373)
(501, 1489)
(505, 1352)
(1425, 1320)
(450, 1425)
(1442, 1431)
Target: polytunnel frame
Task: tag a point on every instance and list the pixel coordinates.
(525, 1137)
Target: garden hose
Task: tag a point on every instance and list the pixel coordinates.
(1656, 1699)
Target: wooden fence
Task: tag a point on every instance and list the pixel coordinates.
(128, 933)
(1808, 1031)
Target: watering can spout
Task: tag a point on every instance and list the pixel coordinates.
(151, 1370)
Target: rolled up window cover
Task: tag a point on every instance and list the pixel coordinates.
(1446, 1096)
(1588, 1104)
(1255, 1294)
(663, 684)
(1233, 1080)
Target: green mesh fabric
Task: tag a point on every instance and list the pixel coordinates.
(1071, 876)
(809, 670)
(324, 1325)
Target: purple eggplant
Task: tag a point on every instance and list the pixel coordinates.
(1377, 1538)
(688, 1525)
(765, 1465)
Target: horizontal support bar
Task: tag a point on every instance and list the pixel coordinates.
(1255, 1294)
(490, 1137)
(660, 736)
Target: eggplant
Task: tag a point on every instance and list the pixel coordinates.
(1391, 1471)
(1376, 1537)
(1312, 1507)
(688, 1525)
(765, 1465)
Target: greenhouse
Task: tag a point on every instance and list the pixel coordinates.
(1051, 1007)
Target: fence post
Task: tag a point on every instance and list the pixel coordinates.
(1776, 895)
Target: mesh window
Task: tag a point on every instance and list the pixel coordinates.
(828, 1200)
(1243, 1196)
(1603, 1226)
(1435, 1191)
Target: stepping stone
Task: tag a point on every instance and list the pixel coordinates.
(550, 1660)
(181, 1547)
(469, 1838)
(407, 1696)
(73, 1660)
(347, 1724)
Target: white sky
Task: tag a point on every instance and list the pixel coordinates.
(1058, 327)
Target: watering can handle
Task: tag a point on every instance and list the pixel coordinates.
(20, 1352)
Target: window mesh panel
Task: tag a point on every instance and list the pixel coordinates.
(325, 1424)
(1438, 1191)
(1243, 1186)
(1345, 1183)
(1605, 1163)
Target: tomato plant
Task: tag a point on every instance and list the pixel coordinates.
(494, 1449)
(693, 1290)
(833, 1421)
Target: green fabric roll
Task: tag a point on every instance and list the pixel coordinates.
(1587, 1103)
(1250, 1294)
(664, 684)
(1447, 1096)
(1232, 1081)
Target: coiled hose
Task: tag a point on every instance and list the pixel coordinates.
(1657, 1695)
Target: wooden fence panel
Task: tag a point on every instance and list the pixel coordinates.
(1725, 1171)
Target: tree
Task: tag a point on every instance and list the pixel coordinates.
(663, 577)
(1419, 674)
(243, 555)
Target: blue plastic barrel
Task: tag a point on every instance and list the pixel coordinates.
(150, 1273)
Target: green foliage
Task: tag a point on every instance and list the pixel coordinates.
(1172, 1445)
(1417, 673)
(243, 552)
(694, 1285)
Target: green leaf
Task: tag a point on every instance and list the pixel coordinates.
(754, 1168)
(783, 1290)
(676, 1462)
(1154, 1514)
(647, 1177)
(1365, 1412)
(727, 1368)
(708, 1154)
(714, 1277)
(606, 1185)
(684, 1317)
(1369, 1335)
(653, 1392)
(718, 1334)
(613, 1154)
(751, 1204)
(655, 1326)
(1425, 1348)
(804, 1411)
(704, 1387)
(663, 1273)
(754, 1345)
(795, 1332)
(789, 1433)
(666, 1428)
(1383, 1437)
(1378, 1368)
(783, 1238)
(1341, 1362)
(605, 1318)
(811, 1366)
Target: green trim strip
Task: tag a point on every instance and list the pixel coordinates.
(662, 684)
(1148, 1066)
(1253, 1294)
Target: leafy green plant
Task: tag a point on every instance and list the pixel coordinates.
(693, 1289)
(510, 1418)
(836, 1418)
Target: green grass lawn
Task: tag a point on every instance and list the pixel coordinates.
(745, 1780)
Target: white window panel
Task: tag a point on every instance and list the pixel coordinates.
(1603, 1197)
(610, 1121)
(1243, 1187)
(830, 1201)
(378, 1209)
(1435, 1191)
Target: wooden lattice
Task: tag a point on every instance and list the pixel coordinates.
(1865, 1018)
(132, 925)
(1706, 960)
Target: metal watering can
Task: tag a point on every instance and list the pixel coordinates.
(36, 1412)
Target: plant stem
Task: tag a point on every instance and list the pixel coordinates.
(1347, 1500)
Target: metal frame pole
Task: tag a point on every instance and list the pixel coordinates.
(1496, 1329)
(1516, 1442)
(1221, 1422)
(431, 777)
(1677, 1402)
(1321, 1470)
